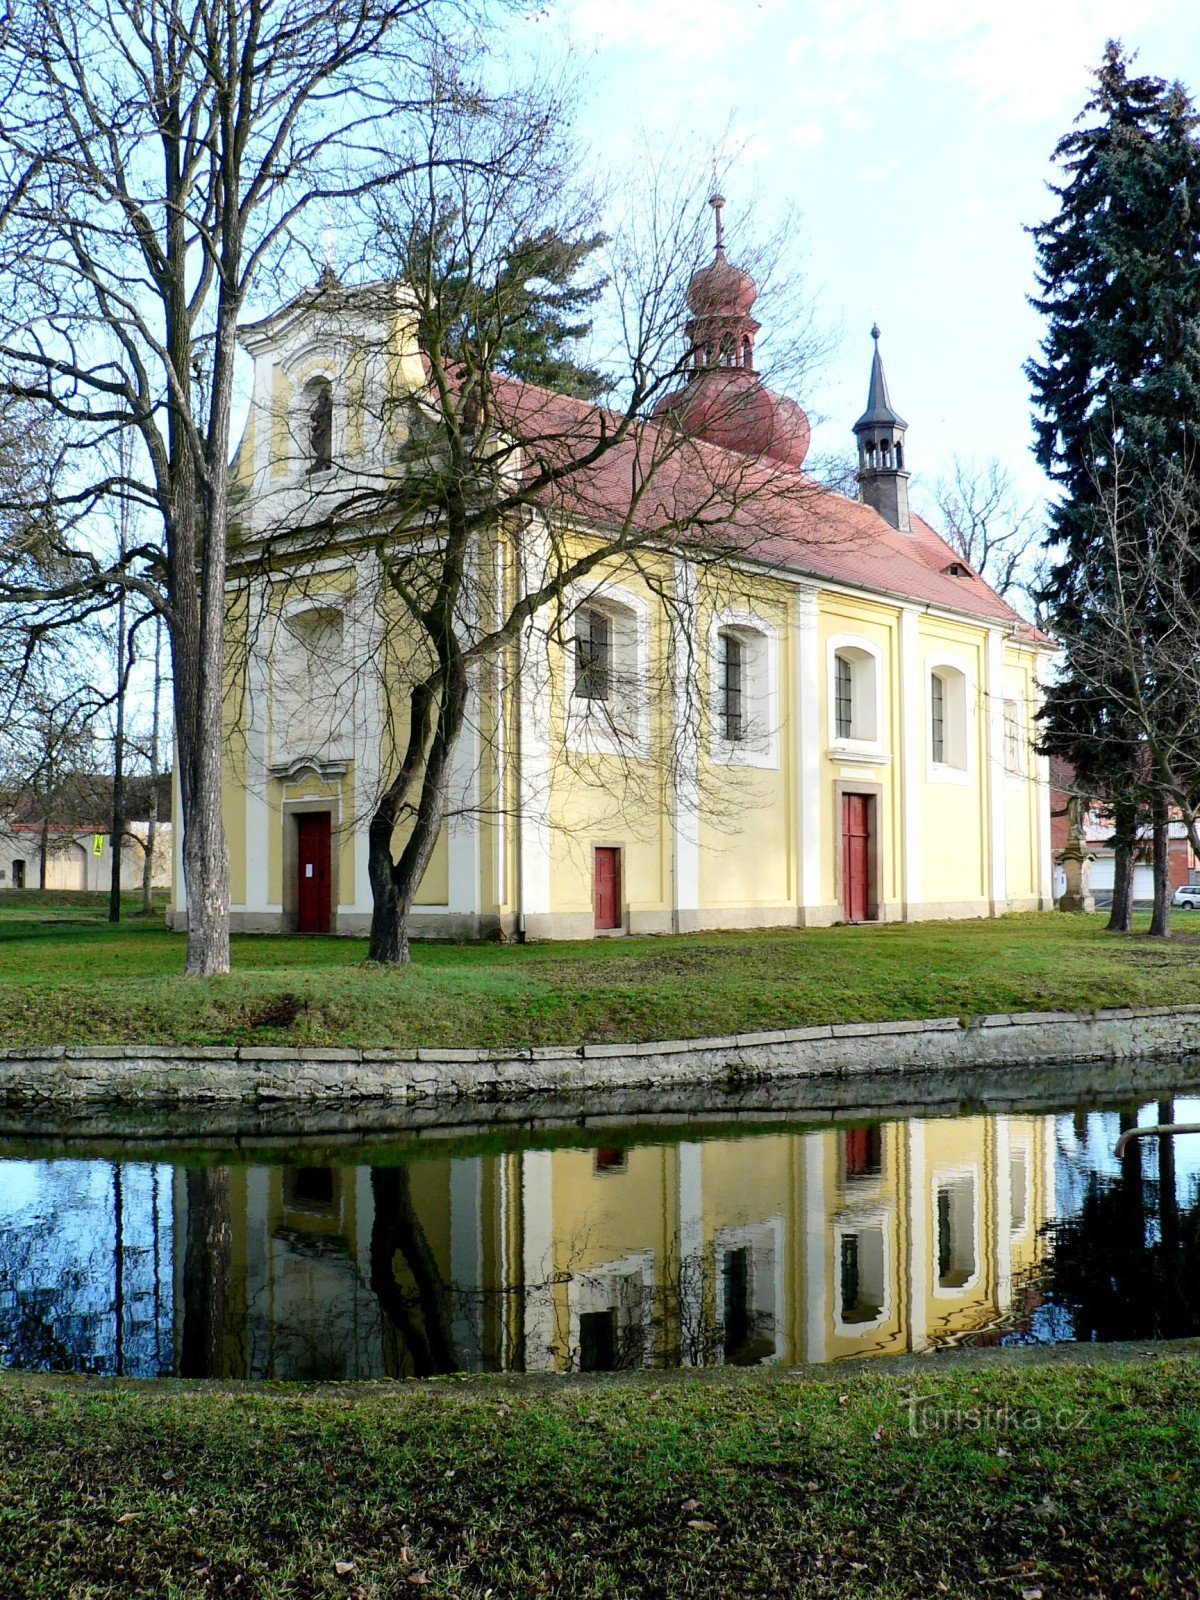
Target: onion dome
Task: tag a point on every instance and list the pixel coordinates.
(721, 289)
(724, 400)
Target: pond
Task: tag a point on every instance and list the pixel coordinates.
(599, 1245)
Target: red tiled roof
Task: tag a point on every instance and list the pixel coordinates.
(658, 481)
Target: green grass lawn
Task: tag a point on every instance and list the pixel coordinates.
(1081, 1484)
(66, 976)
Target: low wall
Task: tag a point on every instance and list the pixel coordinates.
(148, 1075)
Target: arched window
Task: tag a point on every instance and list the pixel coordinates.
(862, 1275)
(608, 709)
(593, 655)
(319, 410)
(948, 726)
(1014, 744)
(957, 1255)
(899, 456)
(743, 689)
(854, 670)
(310, 677)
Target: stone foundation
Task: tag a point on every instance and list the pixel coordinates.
(146, 1076)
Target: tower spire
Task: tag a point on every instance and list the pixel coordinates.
(880, 434)
(717, 202)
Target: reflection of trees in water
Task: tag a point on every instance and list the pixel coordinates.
(207, 1261)
(420, 1318)
(1127, 1266)
(85, 1269)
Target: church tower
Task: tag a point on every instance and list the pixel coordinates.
(880, 434)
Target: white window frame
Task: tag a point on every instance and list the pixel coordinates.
(751, 1237)
(1018, 778)
(969, 1173)
(308, 365)
(951, 771)
(589, 729)
(595, 1288)
(859, 1222)
(761, 751)
(860, 652)
(343, 602)
(1023, 1148)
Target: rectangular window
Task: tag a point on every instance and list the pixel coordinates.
(844, 698)
(850, 1277)
(937, 718)
(18, 874)
(593, 656)
(598, 1340)
(733, 663)
(863, 1148)
(1012, 739)
(735, 1274)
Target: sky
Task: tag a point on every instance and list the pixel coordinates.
(914, 139)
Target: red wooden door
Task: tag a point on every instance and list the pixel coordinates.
(608, 888)
(856, 857)
(315, 873)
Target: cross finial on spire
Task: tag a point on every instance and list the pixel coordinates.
(717, 201)
(875, 332)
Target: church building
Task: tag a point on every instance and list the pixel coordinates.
(833, 724)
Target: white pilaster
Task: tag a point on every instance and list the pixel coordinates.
(687, 748)
(258, 711)
(537, 1231)
(1045, 865)
(1049, 1170)
(691, 1248)
(912, 756)
(464, 893)
(808, 746)
(816, 1248)
(1002, 1203)
(919, 1239)
(996, 798)
(534, 738)
(466, 1258)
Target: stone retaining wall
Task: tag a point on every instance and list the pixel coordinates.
(148, 1075)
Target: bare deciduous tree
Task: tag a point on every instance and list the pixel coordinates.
(491, 510)
(156, 160)
(996, 531)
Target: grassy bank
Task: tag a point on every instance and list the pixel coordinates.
(67, 977)
(1080, 1483)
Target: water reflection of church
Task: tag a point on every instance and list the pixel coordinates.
(787, 1247)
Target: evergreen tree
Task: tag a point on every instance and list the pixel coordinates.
(545, 313)
(1117, 388)
(533, 303)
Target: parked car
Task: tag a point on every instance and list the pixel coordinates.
(1188, 896)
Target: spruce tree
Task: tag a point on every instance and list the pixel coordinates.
(1117, 388)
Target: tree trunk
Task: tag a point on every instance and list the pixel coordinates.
(1160, 921)
(1121, 917)
(152, 821)
(117, 832)
(207, 1264)
(389, 918)
(397, 1230)
(43, 852)
(394, 885)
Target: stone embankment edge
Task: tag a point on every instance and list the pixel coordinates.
(161, 1075)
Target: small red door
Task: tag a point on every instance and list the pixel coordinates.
(314, 868)
(608, 888)
(856, 857)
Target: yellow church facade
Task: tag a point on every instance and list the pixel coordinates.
(834, 725)
(880, 1239)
